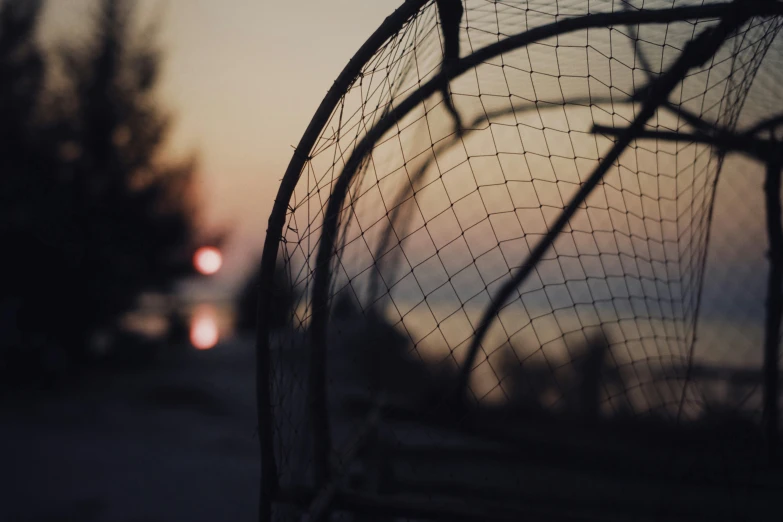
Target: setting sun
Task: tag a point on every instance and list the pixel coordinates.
(207, 260)
(204, 329)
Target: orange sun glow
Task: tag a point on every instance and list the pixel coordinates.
(207, 260)
(204, 329)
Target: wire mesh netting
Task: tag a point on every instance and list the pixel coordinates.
(651, 290)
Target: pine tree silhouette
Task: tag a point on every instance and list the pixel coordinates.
(96, 217)
(134, 216)
(24, 169)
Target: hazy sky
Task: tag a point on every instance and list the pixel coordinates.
(243, 78)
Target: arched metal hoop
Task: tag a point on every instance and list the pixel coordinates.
(732, 13)
(393, 24)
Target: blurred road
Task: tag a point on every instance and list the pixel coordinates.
(174, 443)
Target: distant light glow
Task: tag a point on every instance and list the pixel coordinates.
(204, 329)
(207, 260)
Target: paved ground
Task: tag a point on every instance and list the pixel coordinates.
(178, 443)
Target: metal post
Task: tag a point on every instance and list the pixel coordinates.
(774, 303)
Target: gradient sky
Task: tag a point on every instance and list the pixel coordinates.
(243, 78)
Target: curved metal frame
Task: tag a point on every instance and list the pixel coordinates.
(731, 14)
(390, 26)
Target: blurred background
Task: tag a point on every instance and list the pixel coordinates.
(142, 143)
(141, 146)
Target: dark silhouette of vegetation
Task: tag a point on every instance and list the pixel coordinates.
(376, 358)
(93, 215)
(246, 306)
(450, 14)
(178, 331)
(527, 383)
(21, 83)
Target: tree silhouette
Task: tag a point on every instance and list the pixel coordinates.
(134, 216)
(108, 219)
(21, 75)
(21, 81)
(246, 305)
(24, 172)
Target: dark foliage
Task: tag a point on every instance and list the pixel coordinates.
(246, 304)
(93, 216)
(21, 81)
(527, 383)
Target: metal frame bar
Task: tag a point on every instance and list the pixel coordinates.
(323, 500)
(772, 198)
(317, 383)
(766, 151)
(698, 51)
(391, 25)
(757, 148)
(318, 326)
